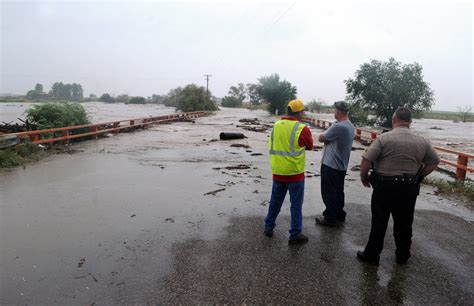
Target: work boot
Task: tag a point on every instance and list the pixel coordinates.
(300, 240)
(268, 232)
(325, 222)
(374, 261)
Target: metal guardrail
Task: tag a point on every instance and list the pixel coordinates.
(95, 129)
(462, 158)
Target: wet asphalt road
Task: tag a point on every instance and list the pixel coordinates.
(128, 219)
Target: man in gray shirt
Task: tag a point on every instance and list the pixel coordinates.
(337, 150)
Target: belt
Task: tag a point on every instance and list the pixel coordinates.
(407, 178)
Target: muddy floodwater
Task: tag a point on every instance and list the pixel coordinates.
(173, 215)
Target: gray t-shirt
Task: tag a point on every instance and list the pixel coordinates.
(337, 152)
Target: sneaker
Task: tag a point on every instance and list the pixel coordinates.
(300, 240)
(268, 233)
(371, 261)
(325, 222)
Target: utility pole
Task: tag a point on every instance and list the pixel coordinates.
(207, 83)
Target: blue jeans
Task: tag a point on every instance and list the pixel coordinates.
(332, 191)
(279, 190)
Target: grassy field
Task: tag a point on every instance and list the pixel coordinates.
(445, 115)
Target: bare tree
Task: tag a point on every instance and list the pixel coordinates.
(464, 112)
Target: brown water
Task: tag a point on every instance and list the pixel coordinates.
(100, 223)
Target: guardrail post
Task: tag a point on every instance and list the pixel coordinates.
(132, 122)
(94, 130)
(34, 137)
(461, 173)
(358, 134)
(116, 125)
(65, 133)
(145, 125)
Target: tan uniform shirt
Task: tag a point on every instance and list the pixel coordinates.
(400, 151)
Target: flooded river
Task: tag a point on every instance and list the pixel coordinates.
(172, 215)
(457, 136)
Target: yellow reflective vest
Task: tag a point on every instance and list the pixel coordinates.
(286, 156)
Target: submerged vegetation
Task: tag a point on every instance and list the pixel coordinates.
(19, 155)
(55, 115)
(457, 187)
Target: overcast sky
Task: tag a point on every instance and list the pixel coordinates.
(141, 48)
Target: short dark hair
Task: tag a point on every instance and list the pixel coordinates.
(290, 112)
(403, 113)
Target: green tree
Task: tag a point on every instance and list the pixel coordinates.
(231, 101)
(381, 87)
(171, 99)
(238, 92)
(252, 92)
(39, 88)
(32, 95)
(107, 98)
(276, 93)
(76, 91)
(194, 98)
(315, 106)
(122, 98)
(92, 96)
(157, 99)
(137, 100)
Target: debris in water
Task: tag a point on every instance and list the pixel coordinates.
(81, 262)
(214, 192)
(436, 128)
(240, 145)
(132, 215)
(238, 167)
(264, 203)
(250, 120)
(169, 220)
(93, 277)
(256, 154)
(79, 277)
(228, 135)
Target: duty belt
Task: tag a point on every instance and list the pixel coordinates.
(406, 178)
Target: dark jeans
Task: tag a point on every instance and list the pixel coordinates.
(332, 191)
(398, 199)
(279, 190)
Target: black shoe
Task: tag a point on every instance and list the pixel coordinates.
(401, 260)
(325, 222)
(300, 240)
(268, 233)
(371, 261)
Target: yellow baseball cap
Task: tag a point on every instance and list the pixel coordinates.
(296, 105)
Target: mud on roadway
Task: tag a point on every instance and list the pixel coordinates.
(173, 215)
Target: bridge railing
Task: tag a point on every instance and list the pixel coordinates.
(95, 129)
(370, 135)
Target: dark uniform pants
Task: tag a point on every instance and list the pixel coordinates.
(398, 199)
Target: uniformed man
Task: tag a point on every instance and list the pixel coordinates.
(287, 144)
(400, 160)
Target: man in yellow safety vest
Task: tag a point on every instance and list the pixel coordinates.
(287, 144)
